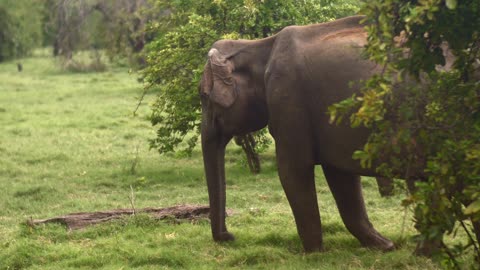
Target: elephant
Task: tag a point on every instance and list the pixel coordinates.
(287, 82)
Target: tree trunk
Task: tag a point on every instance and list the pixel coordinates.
(385, 186)
(247, 142)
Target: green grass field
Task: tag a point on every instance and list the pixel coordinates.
(69, 143)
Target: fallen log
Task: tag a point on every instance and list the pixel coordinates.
(75, 221)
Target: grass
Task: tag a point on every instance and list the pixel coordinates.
(69, 143)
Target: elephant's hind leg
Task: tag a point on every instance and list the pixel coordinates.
(347, 191)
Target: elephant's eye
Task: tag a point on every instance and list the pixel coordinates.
(228, 80)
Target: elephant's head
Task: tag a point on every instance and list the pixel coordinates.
(232, 99)
(232, 104)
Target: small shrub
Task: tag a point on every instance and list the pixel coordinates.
(95, 64)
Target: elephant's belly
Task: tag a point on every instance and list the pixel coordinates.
(335, 147)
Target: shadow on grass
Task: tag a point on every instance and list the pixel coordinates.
(37, 193)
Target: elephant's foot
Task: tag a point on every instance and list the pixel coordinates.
(313, 245)
(378, 242)
(313, 249)
(223, 237)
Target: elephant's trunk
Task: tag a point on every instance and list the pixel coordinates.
(213, 148)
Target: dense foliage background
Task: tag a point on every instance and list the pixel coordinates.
(426, 116)
(71, 26)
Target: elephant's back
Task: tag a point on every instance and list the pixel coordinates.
(312, 68)
(331, 68)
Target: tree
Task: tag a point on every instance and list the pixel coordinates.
(65, 22)
(116, 26)
(432, 124)
(20, 28)
(183, 37)
(124, 28)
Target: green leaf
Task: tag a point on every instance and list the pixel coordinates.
(451, 4)
(473, 208)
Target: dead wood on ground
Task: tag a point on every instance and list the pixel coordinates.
(75, 221)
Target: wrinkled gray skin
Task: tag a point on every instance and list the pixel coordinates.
(287, 82)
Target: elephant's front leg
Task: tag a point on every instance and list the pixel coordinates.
(347, 190)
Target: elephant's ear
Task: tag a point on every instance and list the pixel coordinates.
(217, 81)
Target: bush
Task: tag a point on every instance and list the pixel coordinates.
(432, 124)
(95, 64)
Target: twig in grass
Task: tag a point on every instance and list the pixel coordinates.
(404, 222)
(405, 212)
(133, 168)
(132, 200)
